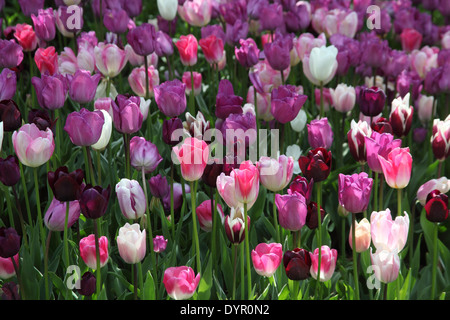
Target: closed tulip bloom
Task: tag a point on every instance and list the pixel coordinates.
(386, 265)
(170, 96)
(436, 207)
(88, 283)
(320, 134)
(105, 136)
(235, 226)
(10, 115)
(301, 185)
(299, 122)
(55, 215)
(180, 282)
(167, 9)
(33, 147)
(356, 140)
(44, 24)
(327, 265)
(8, 84)
(371, 101)
(354, 191)
(51, 91)
(192, 156)
(25, 36)
(292, 210)
(9, 170)
(323, 63)
(424, 105)
(46, 60)
(144, 155)
(159, 244)
(246, 182)
(397, 167)
(94, 201)
(109, 59)
(226, 101)
(278, 52)
(362, 235)
(7, 269)
(128, 117)
(205, 215)
(316, 164)
(177, 197)
(186, 78)
(411, 39)
(197, 13)
(379, 144)
(159, 186)
(297, 264)
(131, 243)
(83, 86)
(29, 7)
(136, 80)
(266, 258)
(440, 139)
(87, 251)
(142, 39)
(388, 234)
(248, 53)
(401, 116)
(312, 220)
(275, 174)
(84, 127)
(66, 186)
(212, 48)
(343, 97)
(9, 242)
(11, 54)
(170, 131)
(286, 103)
(272, 16)
(187, 47)
(226, 188)
(442, 185)
(116, 20)
(131, 198)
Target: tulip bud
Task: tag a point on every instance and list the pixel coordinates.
(292, 210)
(88, 251)
(94, 201)
(327, 265)
(311, 216)
(356, 140)
(9, 171)
(131, 243)
(275, 174)
(84, 127)
(371, 101)
(440, 140)
(131, 198)
(320, 134)
(235, 225)
(159, 244)
(354, 191)
(362, 235)
(205, 215)
(316, 164)
(88, 284)
(436, 207)
(55, 216)
(144, 155)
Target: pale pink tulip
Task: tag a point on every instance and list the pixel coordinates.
(266, 258)
(327, 264)
(388, 234)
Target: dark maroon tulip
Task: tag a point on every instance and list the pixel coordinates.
(371, 101)
(382, 125)
(66, 186)
(211, 172)
(297, 264)
(10, 291)
(436, 206)
(159, 186)
(9, 171)
(41, 119)
(9, 242)
(301, 185)
(226, 101)
(88, 284)
(142, 39)
(169, 126)
(10, 115)
(94, 201)
(311, 216)
(316, 165)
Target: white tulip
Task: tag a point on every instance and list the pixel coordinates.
(131, 243)
(299, 122)
(323, 63)
(106, 133)
(168, 9)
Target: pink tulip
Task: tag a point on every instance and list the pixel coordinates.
(388, 234)
(411, 39)
(87, 251)
(226, 187)
(193, 157)
(197, 82)
(204, 215)
(320, 134)
(212, 48)
(362, 235)
(397, 167)
(424, 105)
(385, 264)
(343, 97)
(55, 216)
(266, 258)
(246, 182)
(109, 59)
(26, 36)
(306, 42)
(424, 60)
(379, 145)
(131, 243)
(187, 47)
(159, 244)
(46, 60)
(196, 12)
(275, 174)
(32, 146)
(7, 268)
(327, 264)
(180, 282)
(136, 80)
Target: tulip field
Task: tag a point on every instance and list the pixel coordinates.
(224, 150)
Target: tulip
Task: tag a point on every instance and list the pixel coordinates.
(205, 215)
(275, 174)
(177, 197)
(436, 206)
(127, 114)
(170, 96)
(159, 186)
(55, 215)
(144, 154)
(397, 167)
(10, 115)
(44, 24)
(69, 20)
(323, 64)
(299, 122)
(83, 86)
(9, 242)
(424, 60)
(388, 234)
(51, 91)
(312, 218)
(327, 263)
(386, 265)
(440, 139)
(442, 185)
(109, 59)
(142, 39)
(362, 235)
(303, 186)
(171, 128)
(1, 135)
(10, 291)
(286, 103)
(356, 140)
(186, 78)
(320, 134)
(343, 97)
(9, 170)
(94, 201)
(66, 186)
(29, 7)
(316, 164)
(292, 210)
(196, 12)
(266, 258)
(136, 80)
(354, 191)
(159, 244)
(8, 84)
(26, 37)
(226, 101)
(116, 20)
(246, 182)
(226, 188)
(32, 146)
(192, 155)
(381, 125)
(46, 60)
(401, 116)
(105, 136)
(167, 9)
(7, 269)
(11, 54)
(131, 243)
(248, 54)
(131, 198)
(84, 127)
(372, 101)
(425, 106)
(379, 144)
(411, 39)
(187, 47)
(88, 282)
(180, 282)
(273, 16)
(278, 51)
(235, 225)
(212, 48)
(87, 251)
(297, 264)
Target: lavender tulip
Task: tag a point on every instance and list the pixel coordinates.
(144, 155)
(127, 115)
(292, 210)
(354, 191)
(286, 103)
(170, 96)
(55, 215)
(278, 51)
(84, 127)
(8, 84)
(142, 39)
(320, 134)
(83, 86)
(11, 54)
(116, 20)
(226, 101)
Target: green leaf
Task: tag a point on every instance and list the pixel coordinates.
(149, 287)
(204, 287)
(284, 293)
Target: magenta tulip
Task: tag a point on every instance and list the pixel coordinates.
(320, 134)
(292, 210)
(84, 127)
(180, 282)
(83, 86)
(327, 265)
(354, 191)
(87, 251)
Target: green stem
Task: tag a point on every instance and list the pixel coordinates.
(33, 92)
(8, 205)
(172, 213)
(214, 225)
(38, 205)
(275, 219)
(141, 279)
(47, 245)
(194, 226)
(22, 222)
(234, 249)
(58, 132)
(86, 166)
(126, 141)
(66, 244)
(191, 95)
(19, 278)
(25, 193)
(135, 280)
(149, 223)
(99, 168)
(355, 263)
(319, 232)
(321, 99)
(375, 197)
(435, 261)
(242, 248)
(97, 256)
(247, 248)
(399, 202)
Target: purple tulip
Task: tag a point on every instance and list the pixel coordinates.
(409, 82)
(9, 242)
(127, 115)
(142, 39)
(233, 10)
(286, 103)
(437, 80)
(11, 54)
(298, 18)
(83, 86)
(116, 20)
(84, 127)
(94, 201)
(159, 187)
(236, 123)
(55, 216)
(396, 62)
(177, 197)
(8, 84)
(10, 115)
(31, 6)
(144, 155)
(214, 29)
(65, 21)
(236, 32)
(169, 126)
(163, 45)
(44, 24)
(292, 210)
(379, 144)
(320, 134)
(375, 50)
(271, 16)
(248, 54)
(133, 7)
(41, 118)
(9, 171)
(354, 191)
(168, 27)
(51, 91)
(226, 101)
(170, 96)
(254, 8)
(278, 52)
